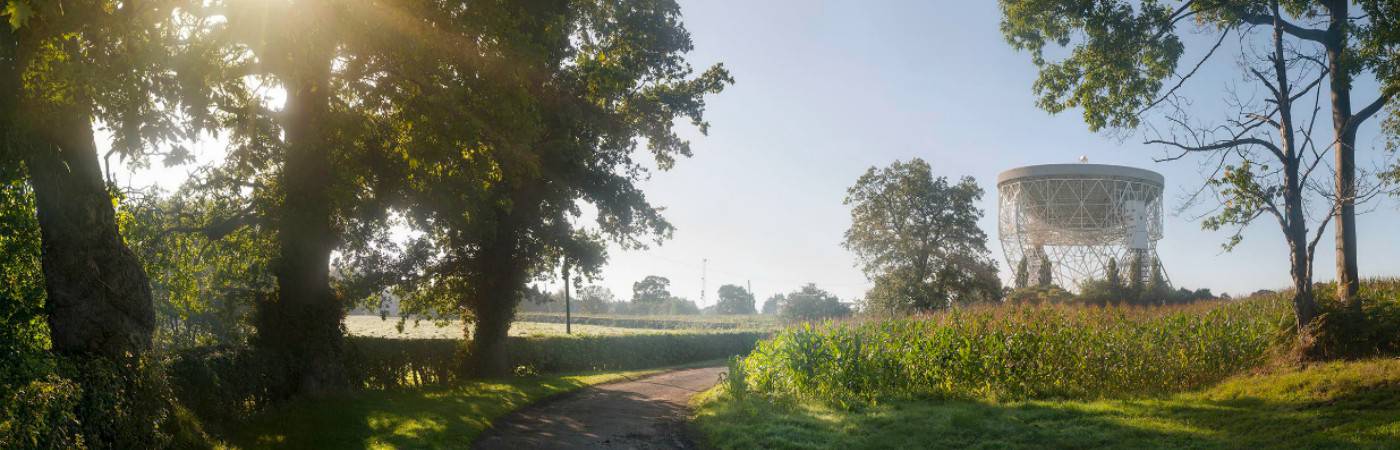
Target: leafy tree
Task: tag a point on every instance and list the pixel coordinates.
(595, 299)
(1045, 275)
(555, 106)
(773, 304)
(64, 68)
(811, 304)
(1036, 295)
(1123, 51)
(1136, 273)
(917, 237)
(734, 299)
(651, 290)
(1023, 275)
(1158, 292)
(1115, 281)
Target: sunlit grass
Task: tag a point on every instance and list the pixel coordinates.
(1334, 405)
(424, 417)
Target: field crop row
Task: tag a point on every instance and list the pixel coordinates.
(1009, 353)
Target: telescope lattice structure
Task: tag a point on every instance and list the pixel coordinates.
(1078, 217)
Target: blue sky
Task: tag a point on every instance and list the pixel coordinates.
(827, 89)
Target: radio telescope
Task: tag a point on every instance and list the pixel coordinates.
(1078, 217)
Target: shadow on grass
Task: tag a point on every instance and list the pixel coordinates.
(434, 417)
(1360, 419)
(589, 419)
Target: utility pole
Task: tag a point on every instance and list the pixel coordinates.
(748, 284)
(568, 319)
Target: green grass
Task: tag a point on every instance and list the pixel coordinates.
(1334, 405)
(448, 416)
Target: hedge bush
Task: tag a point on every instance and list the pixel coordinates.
(386, 363)
(656, 322)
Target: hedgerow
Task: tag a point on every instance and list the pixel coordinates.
(656, 322)
(386, 363)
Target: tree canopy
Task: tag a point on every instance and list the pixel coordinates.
(734, 299)
(917, 237)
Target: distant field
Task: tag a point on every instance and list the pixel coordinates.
(373, 326)
(678, 322)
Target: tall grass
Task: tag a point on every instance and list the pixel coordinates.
(1012, 353)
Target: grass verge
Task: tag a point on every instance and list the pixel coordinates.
(445, 416)
(1334, 405)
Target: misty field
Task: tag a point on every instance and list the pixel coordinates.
(373, 326)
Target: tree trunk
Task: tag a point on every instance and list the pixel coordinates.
(1294, 223)
(1345, 149)
(99, 299)
(489, 357)
(301, 326)
(501, 274)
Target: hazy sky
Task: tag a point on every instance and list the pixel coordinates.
(826, 90)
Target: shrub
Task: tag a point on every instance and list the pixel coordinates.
(1010, 352)
(1374, 330)
(387, 363)
(656, 322)
(97, 403)
(1035, 295)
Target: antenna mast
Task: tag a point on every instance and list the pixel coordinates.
(704, 265)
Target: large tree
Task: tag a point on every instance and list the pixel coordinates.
(810, 304)
(67, 68)
(546, 115)
(734, 299)
(651, 290)
(1342, 42)
(1122, 55)
(917, 238)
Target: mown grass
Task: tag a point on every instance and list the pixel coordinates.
(1335, 405)
(444, 416)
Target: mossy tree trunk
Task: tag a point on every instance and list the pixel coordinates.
(99, 299)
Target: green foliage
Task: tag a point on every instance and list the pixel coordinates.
(771, 305)
(1008, 353)
(651, 290)
(735, 300)
(1045, 272)
(207, 266)
(1023, 274)
(1036, 295)
(387, 363)
(811, 304)
(686, 322)
(96, 403)
(1121, 53)
(917, 238)
(1368, 332)
(1336, 405)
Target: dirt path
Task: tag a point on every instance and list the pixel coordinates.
(647, 413)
